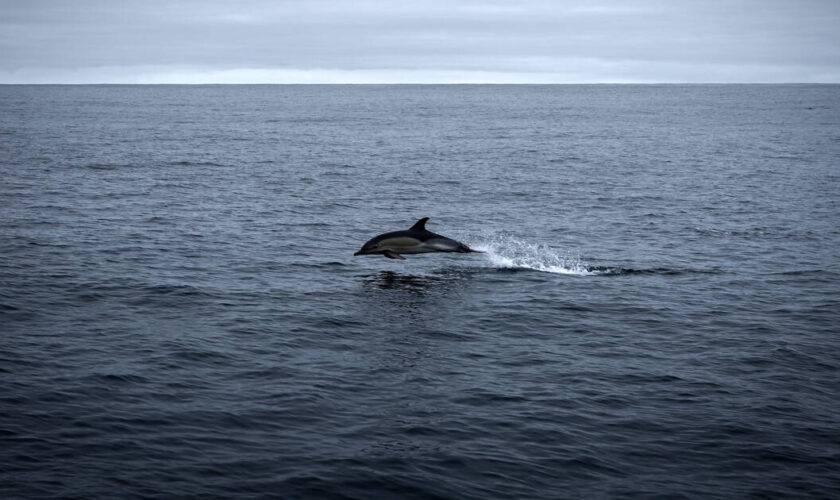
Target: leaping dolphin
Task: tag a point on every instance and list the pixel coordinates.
(416, 240)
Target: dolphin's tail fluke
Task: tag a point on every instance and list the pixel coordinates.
(465, 249)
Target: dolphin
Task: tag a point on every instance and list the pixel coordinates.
(416, 240)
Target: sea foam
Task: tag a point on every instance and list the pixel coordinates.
(510, 252)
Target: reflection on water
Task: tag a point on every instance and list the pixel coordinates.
(421, 299)
(408, 318)
(417, 285)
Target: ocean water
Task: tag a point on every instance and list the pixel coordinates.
(657, 313)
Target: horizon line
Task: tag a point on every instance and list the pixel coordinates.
(415, 83)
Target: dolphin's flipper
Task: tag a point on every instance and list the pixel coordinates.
(393, 255)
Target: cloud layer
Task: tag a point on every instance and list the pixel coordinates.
(262, 41)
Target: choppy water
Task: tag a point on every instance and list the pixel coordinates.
(656, 314)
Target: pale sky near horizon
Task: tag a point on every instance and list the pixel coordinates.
(435, 41)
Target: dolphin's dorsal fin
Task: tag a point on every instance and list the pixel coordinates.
(420, 225)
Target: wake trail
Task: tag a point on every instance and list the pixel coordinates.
(509, 252)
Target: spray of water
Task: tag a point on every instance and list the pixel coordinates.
(509, 252)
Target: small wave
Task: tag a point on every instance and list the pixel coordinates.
(109, 166)
(7, 308)
(100, 166)
(623, 271)
(188, 163)
(512, 253)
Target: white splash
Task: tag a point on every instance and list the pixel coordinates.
(509, 252)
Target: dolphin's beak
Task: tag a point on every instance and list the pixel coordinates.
(357, 253)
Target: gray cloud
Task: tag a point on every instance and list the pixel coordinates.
(540, 41)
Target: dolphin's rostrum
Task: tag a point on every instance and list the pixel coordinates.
(416, 240)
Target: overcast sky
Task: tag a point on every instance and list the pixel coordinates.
(393, 41)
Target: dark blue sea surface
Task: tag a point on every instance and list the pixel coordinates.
(657, 313)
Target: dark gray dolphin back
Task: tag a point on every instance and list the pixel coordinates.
(419, 231)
